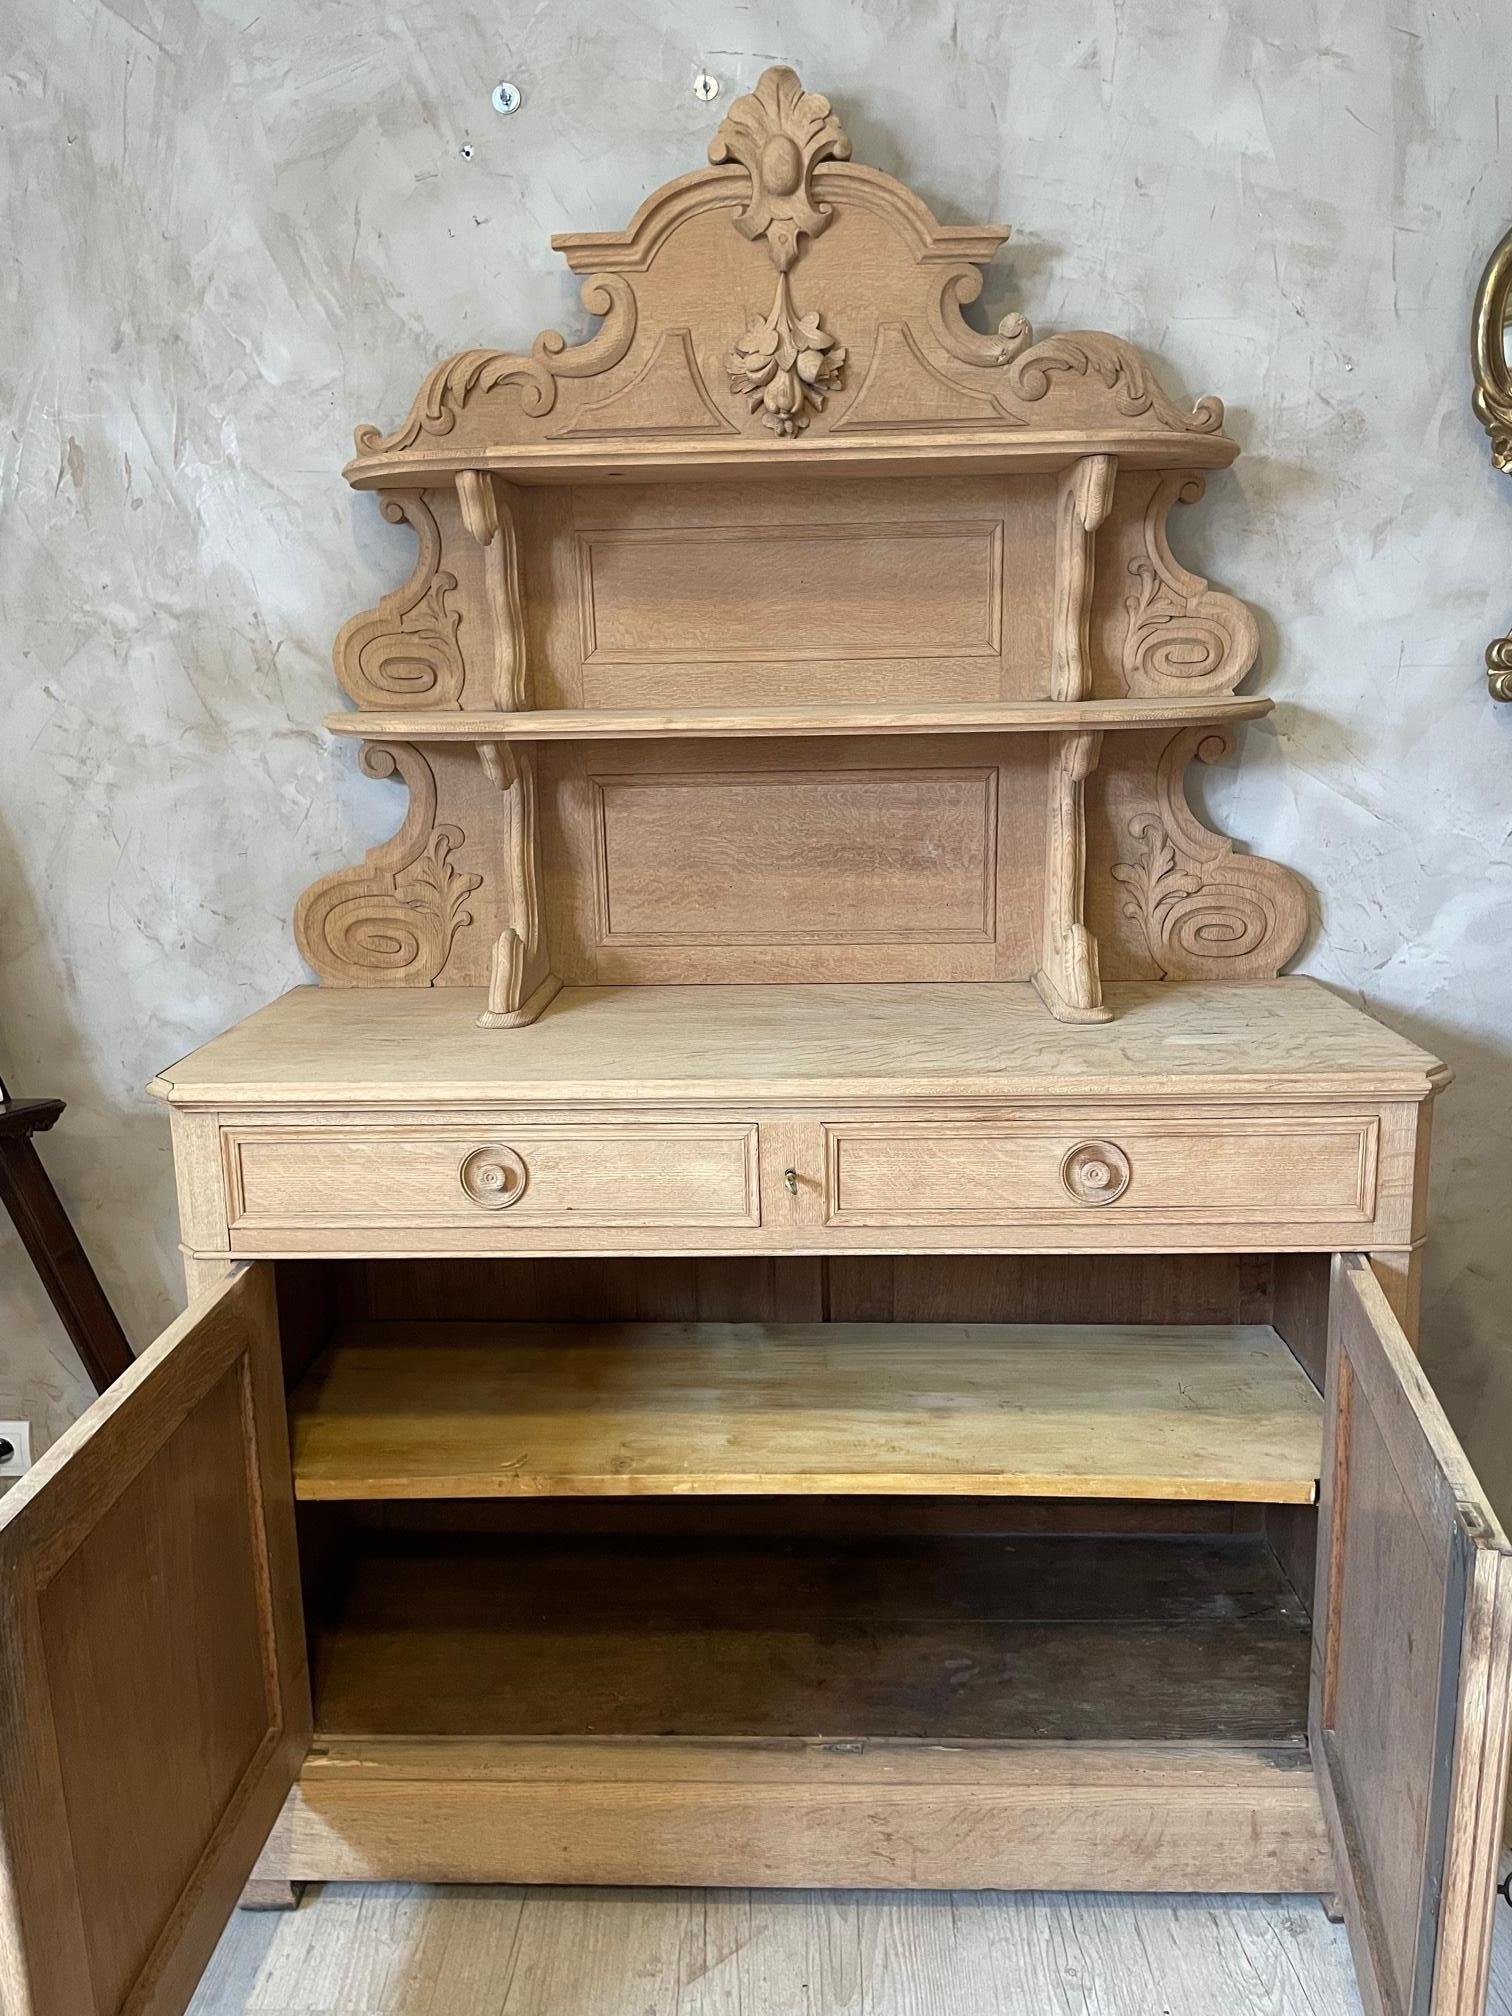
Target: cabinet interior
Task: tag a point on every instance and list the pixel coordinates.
(964, 1608)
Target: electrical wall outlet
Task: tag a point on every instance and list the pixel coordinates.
(15, 1448)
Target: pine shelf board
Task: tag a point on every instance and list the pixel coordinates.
(417, 1410)
(929, 451)
(643, 724)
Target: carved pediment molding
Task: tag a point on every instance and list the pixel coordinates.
(391, 922)
(667, 397)
(472, 373)
(863, 266)
(1206, 913)
(1183, 636)
(905, 389)
(406, 649)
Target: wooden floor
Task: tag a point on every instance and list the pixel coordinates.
(393, 1950)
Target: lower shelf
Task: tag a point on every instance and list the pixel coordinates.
(1025, 1713)
(1039, 1639)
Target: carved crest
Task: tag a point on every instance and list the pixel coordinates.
(778, 133)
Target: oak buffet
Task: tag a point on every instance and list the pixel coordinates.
(803, 1305)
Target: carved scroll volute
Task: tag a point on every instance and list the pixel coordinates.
(1206, 913)
(1183, 637)
(405, 652)
(778, 133)
(451, 387)
(391, 922)
(488, 514)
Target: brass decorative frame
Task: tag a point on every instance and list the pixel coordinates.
(1493, 407)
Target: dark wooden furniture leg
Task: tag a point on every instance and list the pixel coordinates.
(37, 1212)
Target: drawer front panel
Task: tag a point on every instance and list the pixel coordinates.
(494, 1177)
(1179, 1170)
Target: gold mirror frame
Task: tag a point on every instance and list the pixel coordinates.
(1493, 407)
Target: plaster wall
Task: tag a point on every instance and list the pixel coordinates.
(235, 230)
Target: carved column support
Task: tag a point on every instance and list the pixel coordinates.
(1067, 980)
(391, 922)
(521, 982)
(1082, 503)
(1206, 912)
(489, 518)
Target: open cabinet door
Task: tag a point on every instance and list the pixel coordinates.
(154, 1695)
(1413, 1680)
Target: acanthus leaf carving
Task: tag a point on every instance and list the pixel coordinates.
(1206, 913)
(391, 922)
(406, 649)
(450, 387)
(1183, 636)
(778, 133)
(784, 364)
(1088, 353)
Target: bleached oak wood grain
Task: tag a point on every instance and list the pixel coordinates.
(629, 724)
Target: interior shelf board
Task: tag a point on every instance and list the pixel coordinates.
(418, 1410)
(926, 451)
(630, 724)
(689, 1639)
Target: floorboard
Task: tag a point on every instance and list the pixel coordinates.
(401, 1950)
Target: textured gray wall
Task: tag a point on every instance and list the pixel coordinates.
(239, 230)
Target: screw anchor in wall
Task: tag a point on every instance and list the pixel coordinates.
(505, 97)
(705, 87)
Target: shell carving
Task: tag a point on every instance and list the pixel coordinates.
(778, 132)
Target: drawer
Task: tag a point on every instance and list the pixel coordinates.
(1181, 1169)
(490, 1175)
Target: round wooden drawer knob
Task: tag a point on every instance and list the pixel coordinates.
(493, 1177)
(1095, 1172)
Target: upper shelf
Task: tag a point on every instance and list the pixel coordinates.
(634, 724)
(415, 1410)
(937, 453)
